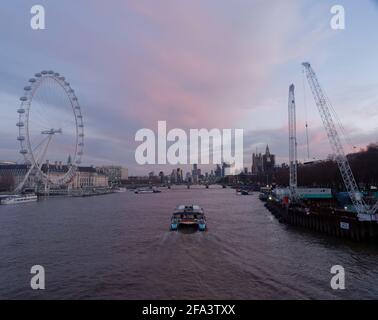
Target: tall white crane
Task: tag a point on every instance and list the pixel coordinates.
(364, 211)
(292, 143)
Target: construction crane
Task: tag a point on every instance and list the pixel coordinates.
(292, 144)
(364, 211)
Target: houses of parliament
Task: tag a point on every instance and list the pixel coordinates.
(263, 163)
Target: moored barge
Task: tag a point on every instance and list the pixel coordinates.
(325, 216)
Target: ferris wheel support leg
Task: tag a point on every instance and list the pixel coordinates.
(21, 185)
(40, 160)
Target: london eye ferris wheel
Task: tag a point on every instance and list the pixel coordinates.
(50, 127)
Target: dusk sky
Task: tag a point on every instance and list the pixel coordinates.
(196, 64)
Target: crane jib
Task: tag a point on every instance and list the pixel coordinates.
(324, 106)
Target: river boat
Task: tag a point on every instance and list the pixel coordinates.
(19, 198)
(188, 216)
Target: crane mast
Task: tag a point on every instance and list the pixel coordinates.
(292, 143)
(323, 104)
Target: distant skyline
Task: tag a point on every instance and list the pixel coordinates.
(195, 64)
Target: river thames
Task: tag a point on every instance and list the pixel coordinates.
(119, 246)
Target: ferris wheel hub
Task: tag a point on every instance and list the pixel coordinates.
(52, 131)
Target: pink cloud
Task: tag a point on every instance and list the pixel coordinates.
(192, 63)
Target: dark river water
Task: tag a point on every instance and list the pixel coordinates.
(119, 246)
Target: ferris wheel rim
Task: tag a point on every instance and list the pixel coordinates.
(24, 122)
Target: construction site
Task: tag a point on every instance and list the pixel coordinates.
(350, 213)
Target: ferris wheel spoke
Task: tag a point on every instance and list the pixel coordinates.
(43, 152)
(40, 144)
(38, 115)
(37, 124)
(46, 100)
